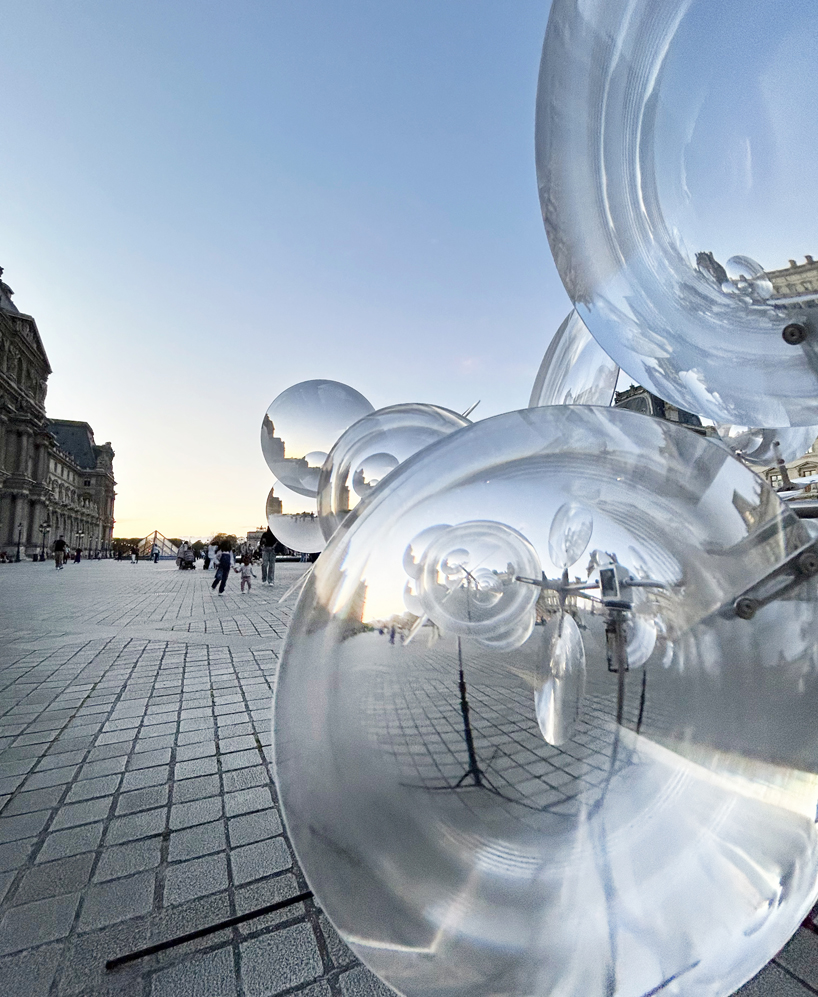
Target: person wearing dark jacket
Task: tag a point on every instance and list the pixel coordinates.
(268, 557)
(59, 551)
(225, 562)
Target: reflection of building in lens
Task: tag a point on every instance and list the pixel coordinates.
(797, 282)
(639, 399)
(792, 285)
(343, 500)
(799, 471)
(275, 447)
(708, 263)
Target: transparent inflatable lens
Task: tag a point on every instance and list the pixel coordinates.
(371, 471)
(300, 427)
(570, 534)
(372, 448)
(680, 216)
(561, 680)
(415, 550)
(467, 583)
(294, 520)
(459, 803)
(575, 369)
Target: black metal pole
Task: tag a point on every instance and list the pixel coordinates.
(19, 537)
(473, 769)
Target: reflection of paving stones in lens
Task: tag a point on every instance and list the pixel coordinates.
(414, 711)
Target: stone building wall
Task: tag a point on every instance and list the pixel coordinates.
(51, 471)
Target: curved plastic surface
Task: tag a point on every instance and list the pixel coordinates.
(757, 446)
(294, 520)
(301, 425)
(670, 140)
(671, 836)
(575, 369)
(372, 448)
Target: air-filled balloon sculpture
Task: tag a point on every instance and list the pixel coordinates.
(545, 716)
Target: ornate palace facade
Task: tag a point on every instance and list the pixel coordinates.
(52, 473)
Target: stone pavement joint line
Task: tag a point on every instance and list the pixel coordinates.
(137, 802)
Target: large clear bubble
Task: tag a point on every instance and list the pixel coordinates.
(294, 520)
(678, 198)
(300, 427)
(372, 448)
(670, 835)
(575, 369)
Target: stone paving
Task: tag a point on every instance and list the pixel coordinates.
(137, 800)
(136, 791)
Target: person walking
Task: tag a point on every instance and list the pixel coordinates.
(225, 562)
(268, 557)
(155, 553)
(134, 554)
(78, 555)
(59, 552)
(246, 572)
(210, 554)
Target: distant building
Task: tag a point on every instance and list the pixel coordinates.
(639, 399)
(52, 472)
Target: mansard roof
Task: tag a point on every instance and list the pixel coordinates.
(76, 439)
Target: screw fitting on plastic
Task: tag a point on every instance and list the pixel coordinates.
(794, 334)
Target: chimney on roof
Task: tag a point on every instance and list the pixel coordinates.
(793, 263)
(809, 259)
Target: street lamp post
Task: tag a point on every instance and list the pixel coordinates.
(19, 538)
(80, 535)
(44, 529)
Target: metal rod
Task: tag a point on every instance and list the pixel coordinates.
(190, 936)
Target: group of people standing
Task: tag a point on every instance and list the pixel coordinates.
(222, 557)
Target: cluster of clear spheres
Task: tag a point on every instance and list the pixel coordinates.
(455, 857)
(544, 723)
(673, 218)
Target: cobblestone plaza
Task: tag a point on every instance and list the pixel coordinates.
(137, 800)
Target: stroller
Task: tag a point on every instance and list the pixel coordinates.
(188, 559)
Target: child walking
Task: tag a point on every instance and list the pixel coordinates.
(246, 570)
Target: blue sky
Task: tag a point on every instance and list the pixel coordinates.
(205, 203)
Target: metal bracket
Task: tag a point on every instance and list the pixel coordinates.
(800, 334)
(797, 568)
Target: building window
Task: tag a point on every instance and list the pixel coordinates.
(87, 482)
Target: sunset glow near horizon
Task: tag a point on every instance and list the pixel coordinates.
(204, 206)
